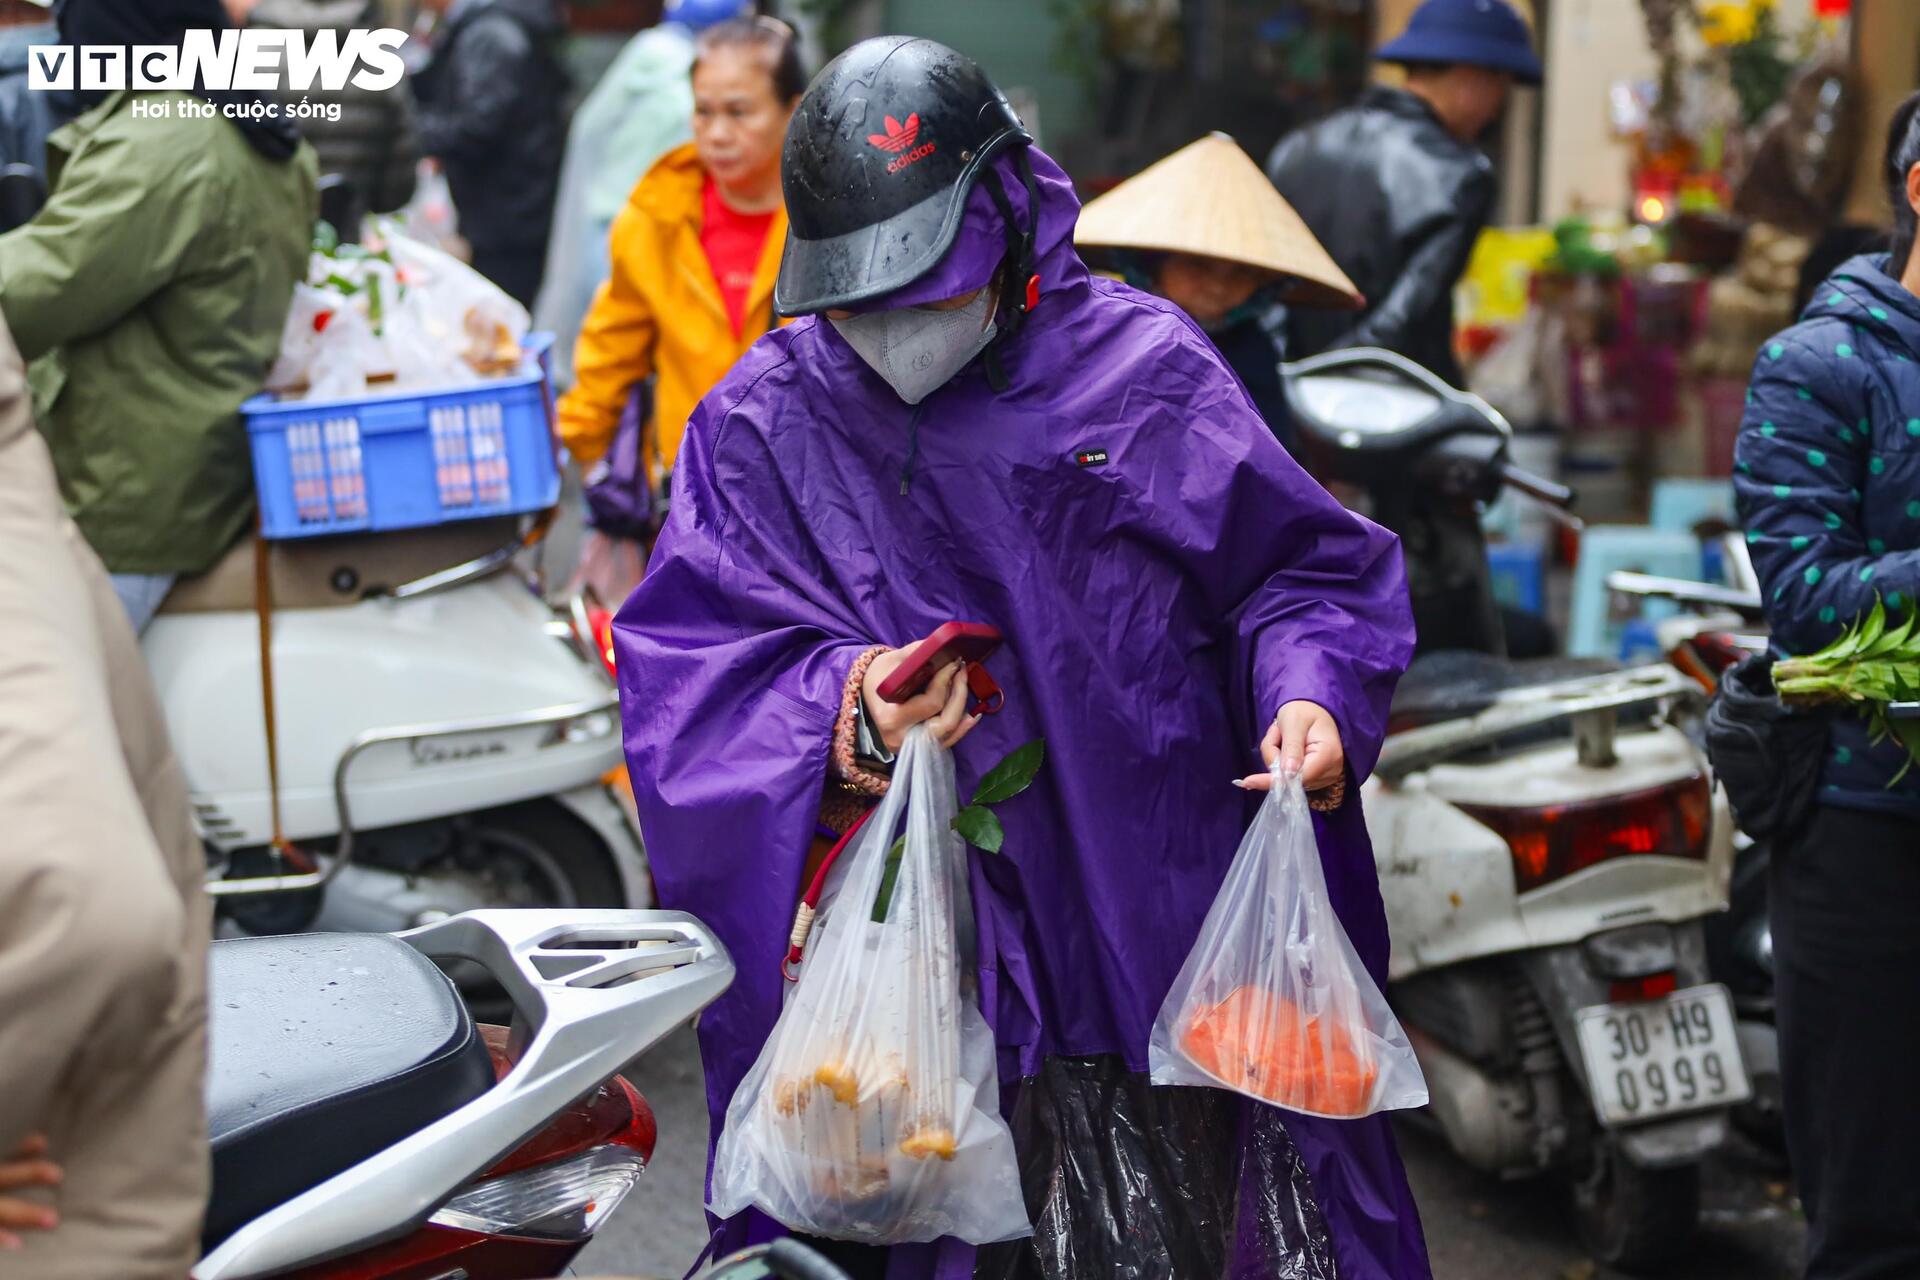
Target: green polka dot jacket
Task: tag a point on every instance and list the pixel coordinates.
(1827, 474)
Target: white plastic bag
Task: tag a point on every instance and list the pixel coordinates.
(873, 1112)
(1273, 1001)
(350, 354)
(453, 326)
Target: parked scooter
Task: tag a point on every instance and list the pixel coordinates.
(1723, 624)
(447, 740)
(450, 741)
(1548, 845)
(364, 1127)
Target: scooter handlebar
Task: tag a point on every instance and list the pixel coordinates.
(1537, 487)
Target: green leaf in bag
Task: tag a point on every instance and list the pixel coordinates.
(979, 827)
(884, 899)
(1011, 776)
(325, 238)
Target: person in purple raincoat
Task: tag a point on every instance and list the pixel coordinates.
(966, 425)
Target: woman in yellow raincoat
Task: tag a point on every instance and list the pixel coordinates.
(694, 255)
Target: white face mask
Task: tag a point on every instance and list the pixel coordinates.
(919, 349)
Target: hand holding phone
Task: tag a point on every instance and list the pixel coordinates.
(969, 642)
(932, 683)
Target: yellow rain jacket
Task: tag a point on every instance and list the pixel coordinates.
(660, 314)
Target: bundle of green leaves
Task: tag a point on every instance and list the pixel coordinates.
(1874, 663)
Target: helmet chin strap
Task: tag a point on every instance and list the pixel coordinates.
(1025, 290)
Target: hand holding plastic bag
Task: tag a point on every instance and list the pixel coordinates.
(873, 1112)
(1273, 1001)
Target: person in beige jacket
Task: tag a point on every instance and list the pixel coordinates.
(103, 925)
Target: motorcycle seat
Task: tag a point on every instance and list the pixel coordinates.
(325, 1049)
(1455, 684)
(332, 573)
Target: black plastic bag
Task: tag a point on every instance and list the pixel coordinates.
(1128, 1181)
(1766, 754)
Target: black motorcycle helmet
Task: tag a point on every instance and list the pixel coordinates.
(883, 151)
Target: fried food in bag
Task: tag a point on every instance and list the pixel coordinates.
(873, 1112)
(1273, 1001)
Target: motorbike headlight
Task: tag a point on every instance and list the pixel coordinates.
(566, 1201)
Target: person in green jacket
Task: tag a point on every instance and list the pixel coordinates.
(149, 294)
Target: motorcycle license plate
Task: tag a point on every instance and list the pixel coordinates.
(1658, 1058)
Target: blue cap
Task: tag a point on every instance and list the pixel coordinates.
(1473, 33)
(698, 15)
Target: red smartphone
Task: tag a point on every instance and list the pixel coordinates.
(970, 642)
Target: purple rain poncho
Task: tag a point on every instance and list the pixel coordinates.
(1166, 578)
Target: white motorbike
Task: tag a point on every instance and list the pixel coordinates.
(1548, 843)
(447, 741)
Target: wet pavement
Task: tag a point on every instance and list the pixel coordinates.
(1478, 1227)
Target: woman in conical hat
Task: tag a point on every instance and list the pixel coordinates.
(1204, 229)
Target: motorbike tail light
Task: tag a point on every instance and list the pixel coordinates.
(1655, 986)
(1557, 841)
(600, 622)
(1720, 651)
(566, 1200)
(613, 1113)
(561, 1183)
(1708, 655)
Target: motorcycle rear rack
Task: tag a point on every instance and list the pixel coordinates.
(592, 990)
(1592, 703)
(331, 864)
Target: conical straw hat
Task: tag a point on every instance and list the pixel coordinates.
(1210, 199)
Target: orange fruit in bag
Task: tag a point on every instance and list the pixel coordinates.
(1261, 1044)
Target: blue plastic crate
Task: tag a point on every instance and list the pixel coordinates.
(406, 460)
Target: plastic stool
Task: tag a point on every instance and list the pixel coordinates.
(1594, 630)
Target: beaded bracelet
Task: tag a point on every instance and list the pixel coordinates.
(852, 777)
(1328, 798)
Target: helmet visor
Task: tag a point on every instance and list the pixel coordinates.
(872, 261)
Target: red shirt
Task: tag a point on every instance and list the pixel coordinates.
(733, 242)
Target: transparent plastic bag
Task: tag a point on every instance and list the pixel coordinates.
(430, 217)
(872, 1114)
(1273, 1001)
(452, 326)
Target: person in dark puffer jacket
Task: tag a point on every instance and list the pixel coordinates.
(491, 107)
(372, 144)
(1828, 482)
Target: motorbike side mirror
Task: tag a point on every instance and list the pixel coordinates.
(1361, 395)
(1370, 399)
(23, 192)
